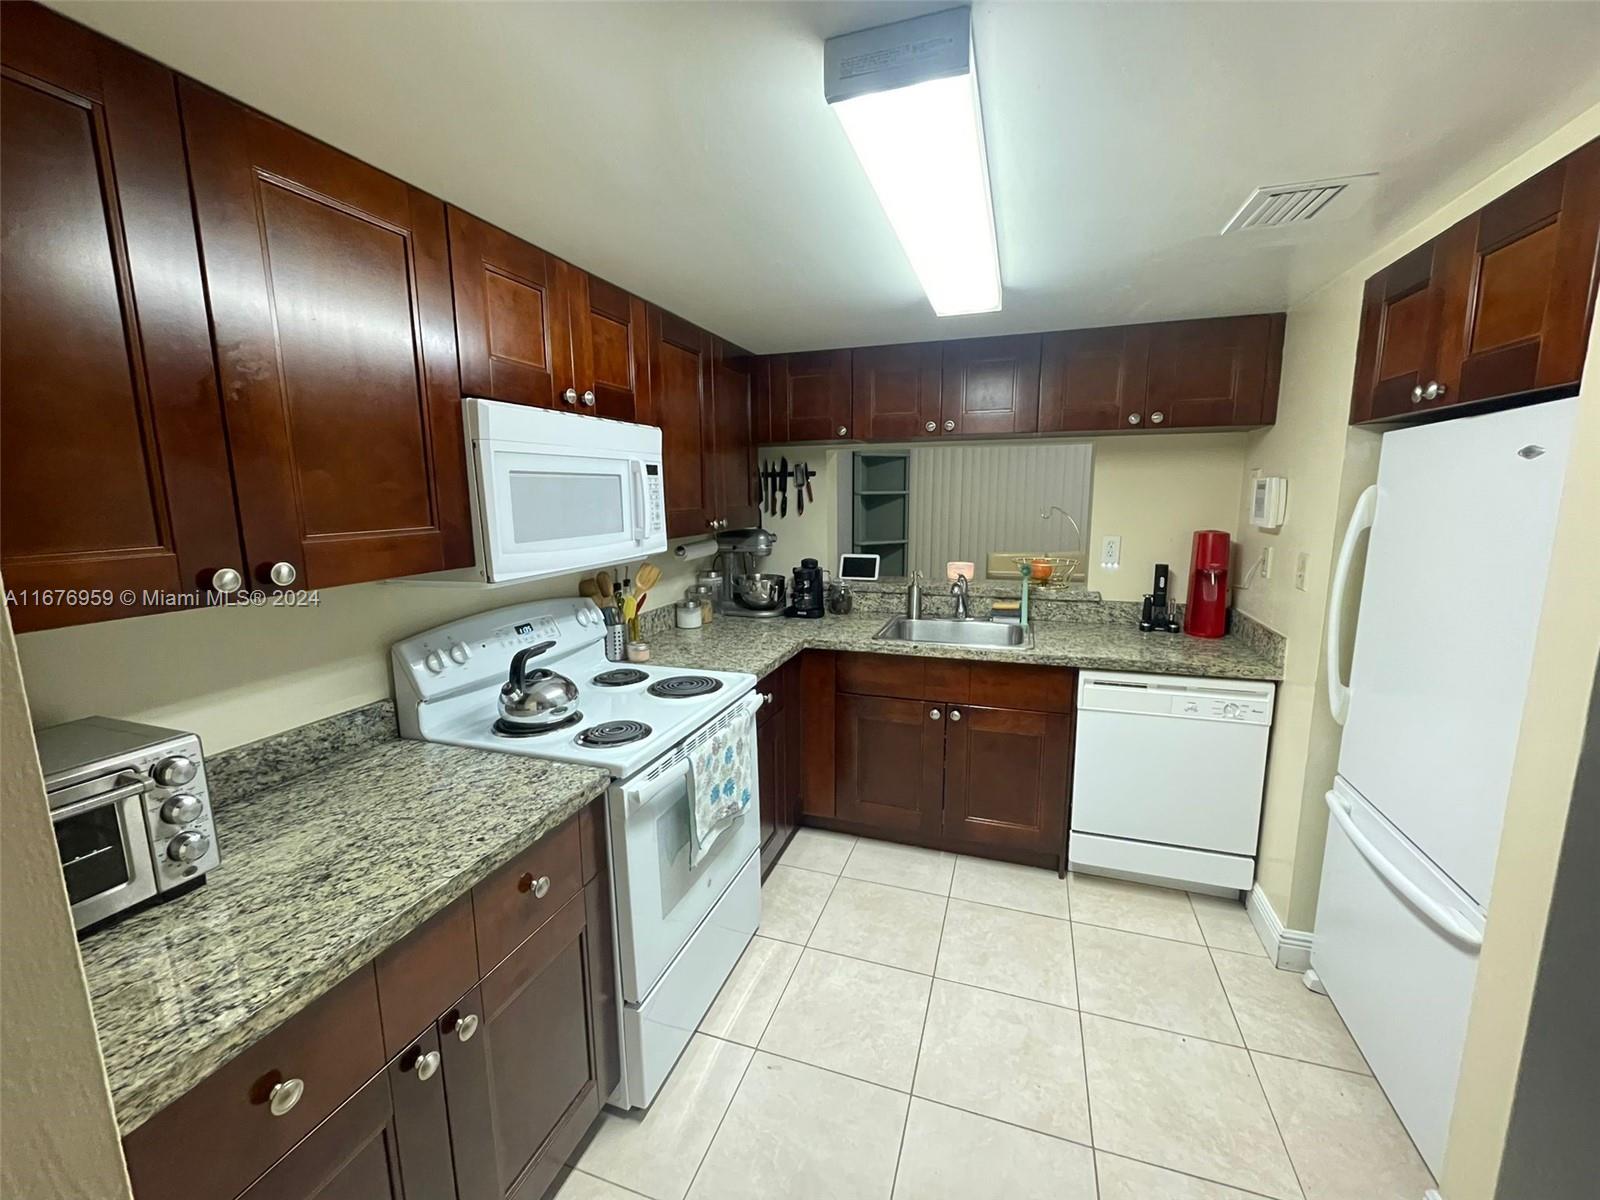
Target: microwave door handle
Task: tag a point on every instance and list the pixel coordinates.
(638, 501)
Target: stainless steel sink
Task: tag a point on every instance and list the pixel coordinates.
(994, 635)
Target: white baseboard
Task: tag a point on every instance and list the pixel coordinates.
(1290, 949)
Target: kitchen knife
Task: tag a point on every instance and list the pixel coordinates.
(772, 490)
(761, 482)
(800, 489)
(810, 474)
(783, 486)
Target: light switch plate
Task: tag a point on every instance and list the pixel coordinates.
(1111, 552)
(1302, 564)
(1266, 562)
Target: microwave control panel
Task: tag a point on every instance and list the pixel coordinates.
(655, 517)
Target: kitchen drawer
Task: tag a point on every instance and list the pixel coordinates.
(1020, 686)
(903, 676)
(226, 1121)
(423, 975)
(508, 905)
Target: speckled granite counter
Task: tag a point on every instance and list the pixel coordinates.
(742, 644)
(318, 876)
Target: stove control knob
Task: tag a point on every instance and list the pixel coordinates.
(434, 661)
(182, 809)
(458, 653)
(189, 846)
(174, 771)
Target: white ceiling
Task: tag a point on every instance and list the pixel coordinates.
(684, 150)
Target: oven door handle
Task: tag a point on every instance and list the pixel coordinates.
(114, 796)
(646, 796)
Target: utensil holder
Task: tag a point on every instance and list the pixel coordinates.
(616, 643)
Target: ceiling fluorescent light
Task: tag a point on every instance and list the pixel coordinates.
(907, 96)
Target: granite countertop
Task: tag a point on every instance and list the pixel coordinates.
(759, 646)
(319, 875)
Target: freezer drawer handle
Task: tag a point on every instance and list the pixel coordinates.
(1426, 905)
(1360, 521)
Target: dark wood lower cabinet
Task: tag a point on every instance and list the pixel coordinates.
(890, 762)
(1005, 777)
(779, 729)
(353, 1155)
(422, 1120)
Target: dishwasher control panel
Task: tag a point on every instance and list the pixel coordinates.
(1219, 709)
(1240, 701)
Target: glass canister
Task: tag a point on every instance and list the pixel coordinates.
(704, 594)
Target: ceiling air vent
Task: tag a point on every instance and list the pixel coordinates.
(1290, 205)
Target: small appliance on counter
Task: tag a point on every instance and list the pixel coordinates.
(1155, 616)
(808, 598)
(131, 812)
(1207, 613)
(747, 591)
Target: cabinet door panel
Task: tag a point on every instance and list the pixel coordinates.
(353, 1155)
(422, 1121)
(895, 391)
(511, 329)
(105, 367)
(769, 770)
(1093, 379)
(810, 395)
(331, 305)
(991, 385)
(1006, 777)
(734, 455)
(890, 762)
(679, 366)
(1211, 373)
(1398, 343)
(1519, 280)
(610, 347)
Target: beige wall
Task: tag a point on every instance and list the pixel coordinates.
(1564, 664)
(58, 1139)
(1327, 465)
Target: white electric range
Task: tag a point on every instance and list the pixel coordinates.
(680, 928)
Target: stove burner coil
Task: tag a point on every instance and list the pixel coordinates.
(684, 687)
(620, 677)
(614, 733)
(503, 729)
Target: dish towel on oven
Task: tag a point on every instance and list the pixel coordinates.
(722, 779)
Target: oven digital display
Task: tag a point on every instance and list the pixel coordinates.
(524, 629)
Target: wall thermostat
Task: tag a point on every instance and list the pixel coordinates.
(859, 567)
(1269, 502)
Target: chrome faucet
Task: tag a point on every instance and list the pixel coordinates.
(958, 589)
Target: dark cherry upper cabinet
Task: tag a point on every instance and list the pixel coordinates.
(1006, 777)
(511, 321)
(991, 385)
(1213, 373)
(804, 397)
(895, 391)
(733, 454)
(331, 310)
(106, 372)
(610, 347)
(680, 367)
(1499, 304)
(1397, 351)
(889, 763)
(1518, 281)
(1093, 379)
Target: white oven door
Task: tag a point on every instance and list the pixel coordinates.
(548, 511)
(661, 899)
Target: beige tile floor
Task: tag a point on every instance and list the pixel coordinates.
(910, 1025)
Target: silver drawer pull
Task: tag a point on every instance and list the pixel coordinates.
(284, 1095)
(428, 1065)
(934, 713)
(467, 1026)
(540, 887)
(955, 714)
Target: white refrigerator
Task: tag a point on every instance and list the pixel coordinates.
(1461, 521)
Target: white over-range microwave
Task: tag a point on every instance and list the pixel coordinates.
(554, 493)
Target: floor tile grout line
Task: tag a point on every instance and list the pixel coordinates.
(916, 1064)
(1083, 1053)
(1144, 1162)
(782, 992)
(723, 1116)
(801, 1062)
(1256, 1075)
(972, 1112)
(572, 1170)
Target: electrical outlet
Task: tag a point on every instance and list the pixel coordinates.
(1302, 564)
(1111, 552)
(1266, 562)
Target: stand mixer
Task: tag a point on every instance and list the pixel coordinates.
(746, 590)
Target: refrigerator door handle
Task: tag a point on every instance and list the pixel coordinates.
(1446, 920)
(1360, 521)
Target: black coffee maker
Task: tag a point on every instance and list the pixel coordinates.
(807, 594)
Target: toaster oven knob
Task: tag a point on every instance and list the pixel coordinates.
(182, 809)
(189, 846)
(174, 771)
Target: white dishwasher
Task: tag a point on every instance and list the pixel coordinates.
(1167, 778)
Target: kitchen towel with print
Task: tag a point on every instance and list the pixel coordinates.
(723, 776)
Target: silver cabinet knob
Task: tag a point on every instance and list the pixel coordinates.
(949, 426)
(428, 1065)
(1156, 418)
(570, 395)
(588, 399)
(174, 771)
(1134, 418)
(182, 809)
(1433, 391)
(188, 846)
(955, 714)
(931, 426)
(284, 1095)
(844, 431)
(934, 714)
(225, 581)
(282, 573)
(540, 887)
(1416, 394)
(466, 1027)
